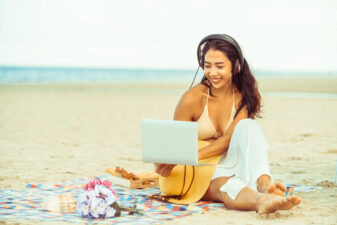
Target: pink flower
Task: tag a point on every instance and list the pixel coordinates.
(97, 181)
(90, 185)
(108, 184)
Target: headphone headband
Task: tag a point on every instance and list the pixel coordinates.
(222, 37)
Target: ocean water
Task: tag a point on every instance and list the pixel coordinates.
(99, 75)
(91, 75)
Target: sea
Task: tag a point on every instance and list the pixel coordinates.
(91, 75)
(115, 75)
(58, 75)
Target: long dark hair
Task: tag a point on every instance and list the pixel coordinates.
(243, 80)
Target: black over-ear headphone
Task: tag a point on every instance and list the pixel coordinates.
(223, 37)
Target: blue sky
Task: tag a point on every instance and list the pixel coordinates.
(274, 35)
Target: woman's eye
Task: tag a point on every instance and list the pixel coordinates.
(219, 67)
(207, 66)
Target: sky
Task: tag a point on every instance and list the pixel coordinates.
(274, 35)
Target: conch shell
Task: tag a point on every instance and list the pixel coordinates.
(65, 203)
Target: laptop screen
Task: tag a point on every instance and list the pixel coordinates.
(170, 141)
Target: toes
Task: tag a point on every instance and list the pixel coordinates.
(296, 200)
(279, 203)
(280, 186)
(291, 198)
(279, 192)
(286, 204)
(271, 188)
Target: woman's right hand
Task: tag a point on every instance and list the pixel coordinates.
(164, 169)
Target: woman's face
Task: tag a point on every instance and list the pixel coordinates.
(217, 68)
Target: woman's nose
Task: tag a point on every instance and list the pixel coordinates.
(212, 72)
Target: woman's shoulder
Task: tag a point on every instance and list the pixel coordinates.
(190, 104)
(195, 95)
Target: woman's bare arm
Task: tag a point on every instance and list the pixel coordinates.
(183, 112)
(186, 107)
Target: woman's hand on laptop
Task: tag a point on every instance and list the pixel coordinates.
(164, 169)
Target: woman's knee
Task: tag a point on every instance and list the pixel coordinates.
(213, 192)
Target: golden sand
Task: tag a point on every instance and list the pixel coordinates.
(55, 133)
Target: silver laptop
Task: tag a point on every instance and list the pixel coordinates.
(170, 141)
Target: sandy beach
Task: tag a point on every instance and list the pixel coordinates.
(52, 133)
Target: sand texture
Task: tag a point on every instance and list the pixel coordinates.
(55, 133)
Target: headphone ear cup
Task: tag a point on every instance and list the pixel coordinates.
(201, 63)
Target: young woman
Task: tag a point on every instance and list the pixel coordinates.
(224, 105)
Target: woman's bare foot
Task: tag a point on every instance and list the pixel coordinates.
(271, 203)
(277, 189)
(264, 186)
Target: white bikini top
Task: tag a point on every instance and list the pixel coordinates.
(206, 128)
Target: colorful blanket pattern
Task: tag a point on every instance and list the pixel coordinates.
(26, 204)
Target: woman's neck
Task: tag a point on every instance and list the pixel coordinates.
(225, 90)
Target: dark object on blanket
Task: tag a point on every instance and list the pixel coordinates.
(132, 210)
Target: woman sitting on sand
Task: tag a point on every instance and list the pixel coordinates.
(224, 105)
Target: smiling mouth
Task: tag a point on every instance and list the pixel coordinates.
(215, 80)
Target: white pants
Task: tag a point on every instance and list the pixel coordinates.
(246, 158)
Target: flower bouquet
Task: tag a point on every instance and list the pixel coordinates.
(98, 200)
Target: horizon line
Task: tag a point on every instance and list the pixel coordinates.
(161, 69)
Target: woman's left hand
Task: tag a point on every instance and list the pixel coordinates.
(164, 169)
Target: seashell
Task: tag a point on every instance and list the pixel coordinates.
(65, 203)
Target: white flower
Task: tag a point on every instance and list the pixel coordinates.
(92, 195)
(110, 198)
(98, 208)
(83, 197)
(101, 206)
(84, 207)
(104, 190)
(96, 191)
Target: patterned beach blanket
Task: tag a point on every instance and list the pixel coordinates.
(26, 204)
